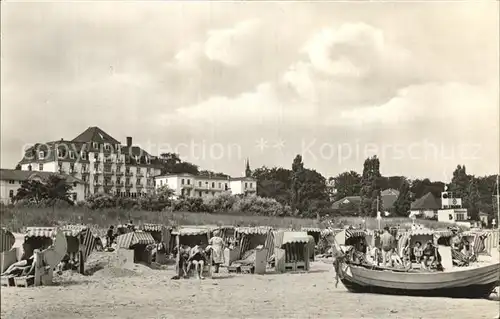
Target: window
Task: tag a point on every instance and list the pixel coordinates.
(220, 185)
(11, 182)
(61, 153)
(71, 155)
(225, 186)
(83, 155)
(94, 144)
(84, 168)
(74, 196)
(251, 185)
(147, 160)
(161, 183)
(29, 167)
(199, 184)
(107, 147)
(246, 185)
(41, 155)
(40, 167)
(11, 193)
(199, 193)
(138, 182)
(213, 184)
(189, 182)
(182, 181)
(72, 167)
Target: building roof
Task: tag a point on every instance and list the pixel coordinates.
(356, 200)
(426, 202)
(18, 175)
(95, 134)
(219, 178)
(388, 200)
(250, 179)
(389, 191)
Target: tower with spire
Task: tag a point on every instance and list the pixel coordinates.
(248, 171)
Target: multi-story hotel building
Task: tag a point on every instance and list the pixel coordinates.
(189, 185)
(99, 160)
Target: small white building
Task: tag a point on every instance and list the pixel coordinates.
(243, 185)
(11, 180)
(189, 185)
(451, 209)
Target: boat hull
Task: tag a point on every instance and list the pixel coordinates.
(471, 283)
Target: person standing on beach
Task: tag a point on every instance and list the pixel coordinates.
(388, 242)
(217, 245)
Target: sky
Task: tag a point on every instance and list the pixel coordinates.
(415, 83)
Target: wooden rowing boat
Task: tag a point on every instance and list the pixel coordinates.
(476, 282)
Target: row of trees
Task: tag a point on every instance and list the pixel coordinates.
(299, 191)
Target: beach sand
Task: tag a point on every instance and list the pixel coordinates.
(138, 291)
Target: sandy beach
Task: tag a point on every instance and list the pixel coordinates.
(137, 291)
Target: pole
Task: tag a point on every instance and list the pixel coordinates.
(498, 201)
(378, 213)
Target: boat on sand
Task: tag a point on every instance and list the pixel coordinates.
(473, 282)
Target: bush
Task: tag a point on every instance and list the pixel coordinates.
(255, 205)
(220, 203)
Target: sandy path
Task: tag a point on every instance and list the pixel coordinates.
(151, 294)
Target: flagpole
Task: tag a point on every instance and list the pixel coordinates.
(498, 201)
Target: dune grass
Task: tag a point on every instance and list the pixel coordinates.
(16, 219)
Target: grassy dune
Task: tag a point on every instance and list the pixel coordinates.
(16, 219)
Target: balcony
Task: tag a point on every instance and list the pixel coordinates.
(97, 160)
(128, 185)
(97, 184)
(187, 186)
(119, 161)
(109, 161)
(129, 174)
(119, 173)
(109, 184)
(139, 186)
(119, 184)
(97, 172)
(139, 174)
(109, 173)
(73, 172)
(85, 172)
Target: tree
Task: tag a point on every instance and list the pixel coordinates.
(212, 174)
(18, 167)
(172, 164)
(164, 192)
(297, 180)
(403, 202)
(370, 188)
(420, 187)
(32, 190)
(55, 188)
(460, 182)
(347, 184)
(274, 183)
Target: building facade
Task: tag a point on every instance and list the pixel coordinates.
(189, 185)
(11, 180)
(99, 160)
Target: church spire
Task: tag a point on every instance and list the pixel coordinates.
(248, 171)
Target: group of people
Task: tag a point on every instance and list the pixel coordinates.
(426, 254)
(198, 256)
(112, 233)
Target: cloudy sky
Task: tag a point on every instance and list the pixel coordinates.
(415, 83)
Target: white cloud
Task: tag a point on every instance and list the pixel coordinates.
(232, 46)
(455, 105)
